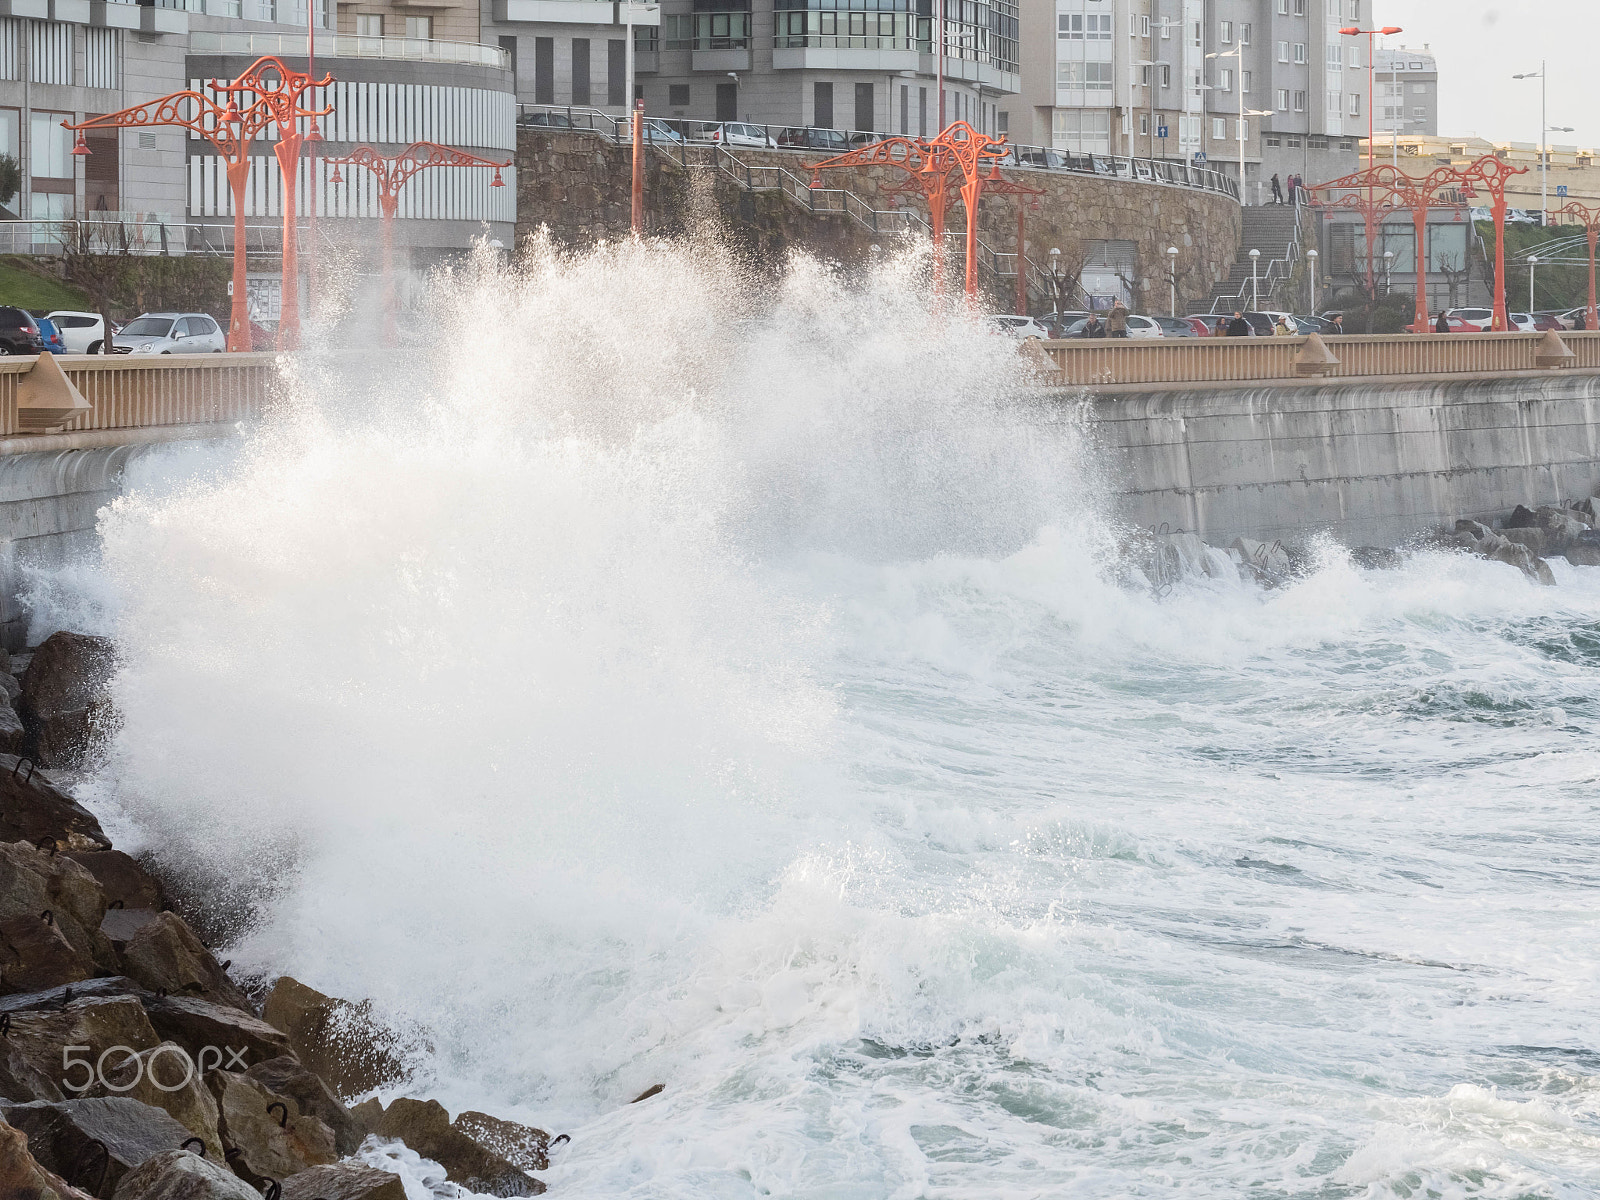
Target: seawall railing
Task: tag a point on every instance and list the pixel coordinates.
(1177, 363)
(128, 392)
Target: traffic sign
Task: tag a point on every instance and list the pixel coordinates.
(1161, 131)
(1561, 190)
(1199, 157)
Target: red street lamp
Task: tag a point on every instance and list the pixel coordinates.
(1353, 31)
(393, 171)
(1589, 218)
(274, 93)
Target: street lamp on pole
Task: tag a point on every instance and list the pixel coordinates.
(1055, 276)
(1238, 53)
(1533, 261)
(1388, 265)
(1311, 258)
(1372, 34)
(1172, 274)
(1255, 291)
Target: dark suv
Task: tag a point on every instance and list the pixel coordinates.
(19, 333)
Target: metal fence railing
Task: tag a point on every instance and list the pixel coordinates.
(344, 45)
(814, 140)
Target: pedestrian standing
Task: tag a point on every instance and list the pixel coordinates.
(1117, 322)
(1338, 323)
(1092, 327)
(1277, 191)
(1281, 329)
(1239, 327)
(1442, 325)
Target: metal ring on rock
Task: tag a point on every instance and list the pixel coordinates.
(194, 1142)
(283, 1121)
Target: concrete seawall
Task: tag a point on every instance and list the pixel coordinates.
(1372, 462)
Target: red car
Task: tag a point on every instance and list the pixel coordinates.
(1547, 321)
(1203, 326)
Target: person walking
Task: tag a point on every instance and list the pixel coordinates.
(1281, 329)
(1092, 327)
(1117, 322)
(1239, 327)
(1442, 325)
(1338, 323)
(1277, 191)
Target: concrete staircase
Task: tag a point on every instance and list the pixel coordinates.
(1269, 228)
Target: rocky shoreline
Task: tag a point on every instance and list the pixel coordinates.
(132, 1065)
(1524, 538)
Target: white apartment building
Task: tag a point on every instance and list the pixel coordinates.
(1168, 79)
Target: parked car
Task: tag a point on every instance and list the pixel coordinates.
(81, 331)
(735, 133)
(170, 333)
(549, 119)
(50, 335)
(1456, 324)
(19, 332)
(1545, 321)
(812, 138)
(1577, 318)
(1057, 322)
(1018, 327)
(1175, 327)
(1306, 324)
(1200, 325)
(1212, 321)
(1140, 327)
(1479, 318)
(1522, 322)
(660, 131)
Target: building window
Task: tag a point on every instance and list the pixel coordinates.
(369, 24)
(1299, 102)
(1083, 76)
(1355, 58)
(1422, 113)
(1355, 104)
(677, 32)
(1355, 10)
(1226, 35)
(580, 70)
(1419, 89)
(1283, 52)
(1335, 101)
(50, 52)
(1283, 100)
(1166, 75)
(1244, 33)
(1225, 79)
(51, 145)
(1299, 8)
(1081, 131)
(1144, 124)
(728, 26)
(1244, 79)
(822, 105)
(1144, 76)
(677, 95)
(617, 72)
(1166, 31)
(420, 28)
(99, 57)
(1283, 8)
(1144, 26)
(1335, 58)
(1084, 27)
(1300, 52)
(1219, 129)
(544, 70)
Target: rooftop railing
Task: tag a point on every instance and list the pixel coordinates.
(253, 45)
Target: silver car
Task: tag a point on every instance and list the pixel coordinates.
(170, 333)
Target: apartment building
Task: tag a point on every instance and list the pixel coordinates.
(1407, 87)
(847, 64)
(1169, 78)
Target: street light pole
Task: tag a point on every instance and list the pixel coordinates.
(1311, 258)
(1354, 31)
(1255, 290)
(1172, 274)
(1533, 261)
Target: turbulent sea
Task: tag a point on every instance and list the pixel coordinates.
(673, 677)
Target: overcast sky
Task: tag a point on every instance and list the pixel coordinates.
(1482, 43)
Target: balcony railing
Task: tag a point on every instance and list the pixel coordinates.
(253, 45)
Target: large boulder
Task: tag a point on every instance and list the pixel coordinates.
(1530, 564)
(274, 1139)
(13, 734)
(50, 913)
(287, 1077)
(33, 809)
(1534, 537)
(165, 956)
(1267, 561)
(121, 877)
(424, 1126)
(334, 1038)
(1561, 528)
(165, 1077)
(344, 1181)
(61, 1134)
(179, 1175)
(65, 699)
(21, 1176)
(197, 1025)
(23, 1079)
(94, 1027)
(522, 1146)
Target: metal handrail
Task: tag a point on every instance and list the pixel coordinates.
(815, 139)
(1279, 271)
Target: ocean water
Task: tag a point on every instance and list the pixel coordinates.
(677, 677)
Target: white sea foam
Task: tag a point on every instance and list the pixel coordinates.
(669, 678)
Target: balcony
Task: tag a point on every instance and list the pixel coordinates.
(254, 45)
(720, 60)
(39, 9)
(109, 14)
(828, 52)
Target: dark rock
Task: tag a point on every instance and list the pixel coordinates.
(1560, 528)
(1267, 561)
(344, 1181)
(1376, 558)
(32, 809)
(287, 1077)
(1583, 554)
(65, 700)
(165, 1077)
(366, 1116)
(163, 954)
(64, 947)
(122, 925)
(13, 737)
(21, 1176)
(53, 999)
(59, 1133)
(523, 1146)
(179, 1175)
(1530, 564)
(424, 1126)
(121, 878)
(1584, 507)
(196, 1024)
(273, 1143)
(22, 1079)
(1534, 537)
(93, 1027)
(1521, 516)
(334, 1038)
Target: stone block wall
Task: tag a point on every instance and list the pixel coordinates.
(579, 185)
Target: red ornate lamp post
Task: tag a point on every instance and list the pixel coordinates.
(274, 93)
(1589, 218)
(393, 171)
